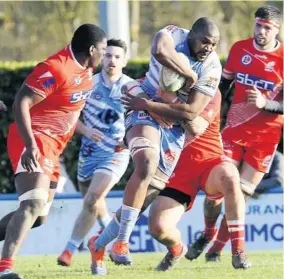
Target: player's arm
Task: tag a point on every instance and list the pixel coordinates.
(183, 112)
(89, 132)
(163, 49)
(25, 99)
(261, 102)
(225, 87)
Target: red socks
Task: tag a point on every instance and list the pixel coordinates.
(176, 250)
(6, 263)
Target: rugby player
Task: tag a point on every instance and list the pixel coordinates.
(102, 159)
(46, 110)
(255, 118)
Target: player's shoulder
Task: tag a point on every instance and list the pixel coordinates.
(56, 63)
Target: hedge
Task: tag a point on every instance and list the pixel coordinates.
(12, 76)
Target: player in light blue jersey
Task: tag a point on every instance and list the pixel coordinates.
(154, 149)
(103, 158)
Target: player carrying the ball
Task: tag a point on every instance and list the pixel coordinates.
(155, 150)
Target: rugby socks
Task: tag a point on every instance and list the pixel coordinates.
(6, 263)
(176, 250)
(104, 221)
(128, 219)
(222, 238)
(236, 230)
(73, 244)
(210, 227)
(108, 234)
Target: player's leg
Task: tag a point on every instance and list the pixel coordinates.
(235, 153)
(224, 179)
(38, 222)
(144, 143)
(164, 215)
(93, 204)
(98, 243)
(33, 195)
(256, 162)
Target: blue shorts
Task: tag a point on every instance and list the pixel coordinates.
(115, 163)
(172, 140)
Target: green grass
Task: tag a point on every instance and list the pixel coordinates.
(266, 265)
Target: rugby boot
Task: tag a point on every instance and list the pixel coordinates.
(240, 260)
(120, 253)
(169, 261)
(97, 267)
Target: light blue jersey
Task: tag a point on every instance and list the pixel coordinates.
(209, 74)
(208, 71)
(104, 112)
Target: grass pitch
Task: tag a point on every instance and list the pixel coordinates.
(266, 265)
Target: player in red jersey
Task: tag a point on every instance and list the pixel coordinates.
(46, 110)
(254, 121)
(202, 166)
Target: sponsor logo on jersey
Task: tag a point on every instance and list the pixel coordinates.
(77, 80)
(263, 57)
(246, 59)
(250, 80)
(79, 96)
(212, 82)
(143, 115)
(270, 66)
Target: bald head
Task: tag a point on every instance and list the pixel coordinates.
(206, 26)
(203, 38)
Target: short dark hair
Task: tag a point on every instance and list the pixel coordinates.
(117, 43)
(85, 36)
(269, 13)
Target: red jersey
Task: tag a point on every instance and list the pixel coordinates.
(65, 85)
(263, 69)
(208, 146)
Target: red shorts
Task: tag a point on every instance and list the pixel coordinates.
(189, 177)
(259, 155)
(47, 164)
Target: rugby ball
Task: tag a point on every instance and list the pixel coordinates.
(170, 80)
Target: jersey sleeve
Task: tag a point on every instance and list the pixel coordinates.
(44, 79)
(209, 78)
(176, 33)
(229, 69)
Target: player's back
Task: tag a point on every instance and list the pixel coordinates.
(249, 67)
(65, 85)
(104, 111)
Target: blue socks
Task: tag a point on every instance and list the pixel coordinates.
(128, 219)
(73, 244)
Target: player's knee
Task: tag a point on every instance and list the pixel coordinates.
(145, 167)
(229, 179)
(247, 188)
(92, 202)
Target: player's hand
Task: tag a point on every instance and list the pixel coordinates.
(131, 102)
(93, 134)
(30, 158)
(163, 122)
(256, 98)
(2, 106)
